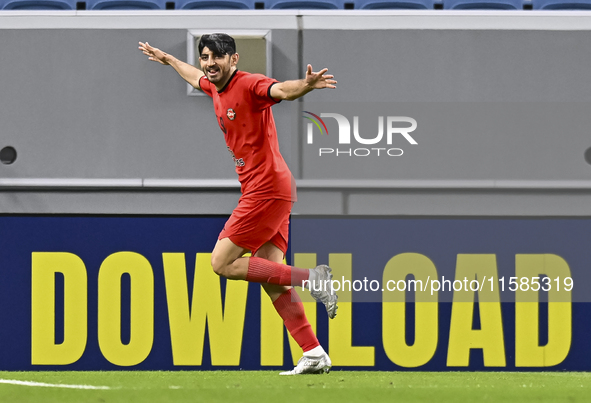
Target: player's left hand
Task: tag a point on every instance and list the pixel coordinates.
(154, 54)
(319, 79)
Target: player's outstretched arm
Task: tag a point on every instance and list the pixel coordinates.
(293, 89)
(190, 74)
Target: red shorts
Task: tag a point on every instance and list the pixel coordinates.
(253, 223)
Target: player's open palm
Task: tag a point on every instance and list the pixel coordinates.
(153, 53)
(320, 79)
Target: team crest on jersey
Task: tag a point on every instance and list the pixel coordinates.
(231, 114)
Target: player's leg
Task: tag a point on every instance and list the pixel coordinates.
(291, 309)
(227, 261)
(272, 253)
(252, 224)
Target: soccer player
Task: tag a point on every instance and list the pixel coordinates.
(259, 224)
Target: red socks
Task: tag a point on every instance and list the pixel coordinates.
(290, 308)
(288, 305)
(264, 271)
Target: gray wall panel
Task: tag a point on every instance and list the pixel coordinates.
(85, 103)
(470, 203)
(453, 65)
(458, 141)
(285, 67)
(489, 104)
(319, 202)
(119, 202)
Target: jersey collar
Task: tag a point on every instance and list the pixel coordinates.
(228, 83)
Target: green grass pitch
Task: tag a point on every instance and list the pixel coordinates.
(258, 386)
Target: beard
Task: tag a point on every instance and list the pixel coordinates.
(218, 74)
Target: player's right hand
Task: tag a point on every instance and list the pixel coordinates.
(153, 53)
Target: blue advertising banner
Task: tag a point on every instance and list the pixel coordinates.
(433, 294)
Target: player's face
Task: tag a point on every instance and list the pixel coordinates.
(217, 68)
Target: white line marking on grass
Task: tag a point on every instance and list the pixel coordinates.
(51, 385)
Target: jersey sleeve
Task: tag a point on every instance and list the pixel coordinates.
(260, 87)
(206, 86)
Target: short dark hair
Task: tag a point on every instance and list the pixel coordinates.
(219, 44)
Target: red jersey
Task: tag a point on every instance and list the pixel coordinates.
(243, 109)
